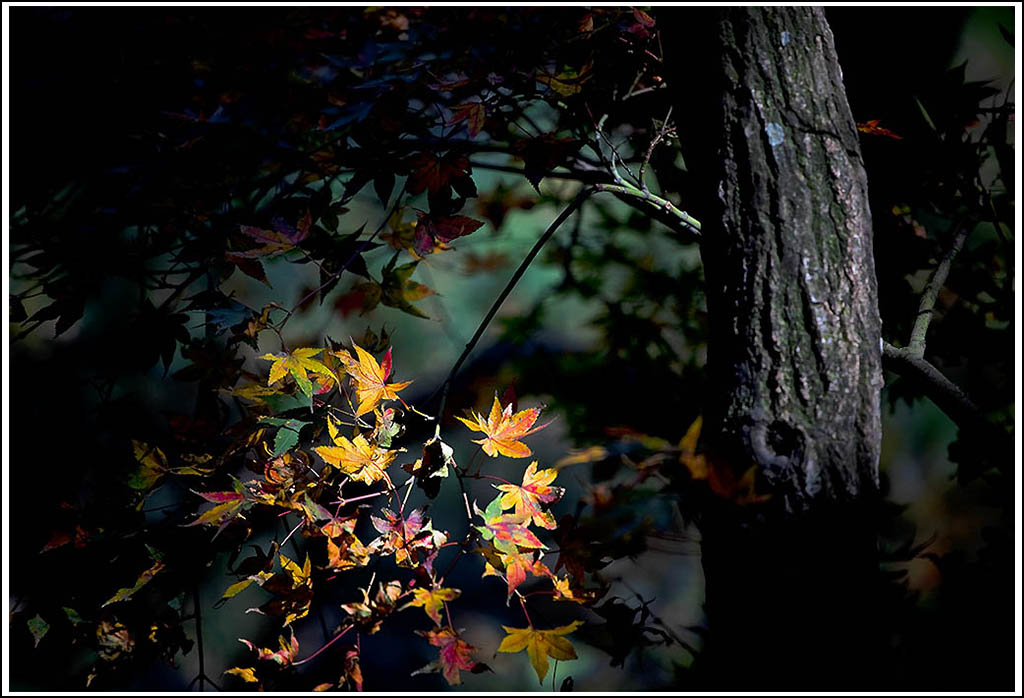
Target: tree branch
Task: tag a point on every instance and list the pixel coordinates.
(942, 391)
(562, 217)
(931, 291)
(688, 222)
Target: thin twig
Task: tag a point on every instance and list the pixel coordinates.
(688, 222)
(199, 636)
(329, 643)
(662, 132)
(931, 292)
(562, 217)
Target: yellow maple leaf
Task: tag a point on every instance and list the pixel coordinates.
(695, 462)
(358, 458)
(504, 429)
(299, 363)
(540, 644)
(247, 674)
(370, 378)
(432, 601)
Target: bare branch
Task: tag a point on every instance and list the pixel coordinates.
(562, 217)
(931, 292)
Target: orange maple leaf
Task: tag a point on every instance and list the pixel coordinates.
(528, 497)
(358, 458)
(504, 429)
(874, 129)
(370, 378)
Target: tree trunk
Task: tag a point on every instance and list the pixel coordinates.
(794, 353)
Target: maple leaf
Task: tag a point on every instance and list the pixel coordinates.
(567, 83)
(516, 565)
(433, 233)
(872, 127)
(509, 530)
(358, 458)
(370, 378)
(436, 174)
(283, 657)
(399, 291)
(292, 587)
(540, 644)
(695, 462)
(345, 552)
(113, 639)
(299, 363)
(368, 614)
(454, 654)
(228, 505)
(527, 498)
(272, 242)
(432, 601)
(406, 536)
(38, 627)
(433, 466)
(247, 674)
(503, 429)
(152, 466)
(542, 153)
(473, 113)
(143, 580)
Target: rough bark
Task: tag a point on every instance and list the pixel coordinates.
(794, 357)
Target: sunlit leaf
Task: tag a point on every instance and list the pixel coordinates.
(504, 429)
(143, 580)
(432, 601)
(540, 644)
(454, 655)
(526, 499)
(370, 378)
(247, 674)
(359, 459)
(298, 363)
(872, 127)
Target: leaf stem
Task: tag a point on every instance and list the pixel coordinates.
(328, 644)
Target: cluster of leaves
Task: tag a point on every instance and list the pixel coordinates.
(326, 509)
(251, 168)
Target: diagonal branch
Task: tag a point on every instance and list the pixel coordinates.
(555, 224)
(946, 395)
(931, 291)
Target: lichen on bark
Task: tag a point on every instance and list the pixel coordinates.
(794, 349)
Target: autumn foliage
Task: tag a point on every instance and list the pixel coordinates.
(303, 469)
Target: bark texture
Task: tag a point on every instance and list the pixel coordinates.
(794, 357)
(796, 335)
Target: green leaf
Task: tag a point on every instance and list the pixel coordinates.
(72, 615)
(286, 439)
(283, 403)
(38, 627)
